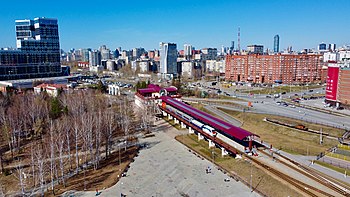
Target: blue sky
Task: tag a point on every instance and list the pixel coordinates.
(202, 23)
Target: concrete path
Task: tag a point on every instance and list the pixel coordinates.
(167, 168)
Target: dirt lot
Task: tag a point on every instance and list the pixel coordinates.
(106, 176)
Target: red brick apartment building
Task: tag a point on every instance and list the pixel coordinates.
(338, 85)
(281, 68)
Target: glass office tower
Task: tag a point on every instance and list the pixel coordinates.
(37, 54)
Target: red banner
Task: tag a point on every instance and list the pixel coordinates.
(332, 83)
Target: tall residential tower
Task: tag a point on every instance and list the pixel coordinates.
(276, 44)
(168, 59)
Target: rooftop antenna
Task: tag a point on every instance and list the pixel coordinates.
(239, 40)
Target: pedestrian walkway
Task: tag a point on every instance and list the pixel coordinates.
(167, 168)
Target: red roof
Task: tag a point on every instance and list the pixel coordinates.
(51, 86)
(156, 87)
(227, 128)
(146, 90)
(171, 89)
(153, 88)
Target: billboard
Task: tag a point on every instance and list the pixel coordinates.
(332, 82)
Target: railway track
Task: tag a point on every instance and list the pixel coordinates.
(334, 185)
(303, 187)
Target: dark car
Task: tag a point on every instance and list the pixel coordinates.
(283, 93)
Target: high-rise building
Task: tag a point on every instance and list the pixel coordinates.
(277, 68)
(232, 48)
(209, 53)
(137, 52)
(187, 51)
(276, 44)
(337, 84)
(168, 59)
(38, 51)
(255, 49)
(322, 47)
(331, 47)
(94, 58)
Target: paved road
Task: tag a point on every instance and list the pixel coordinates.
(167, 168)
(269, 106)
(223, 115)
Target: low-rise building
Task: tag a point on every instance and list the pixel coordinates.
(113, 89)
(152, 94)
(50, 89)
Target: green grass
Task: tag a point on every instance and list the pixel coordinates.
(338, 156)
(335, 168)
(283, 89)
(325, 129)
(343, 147)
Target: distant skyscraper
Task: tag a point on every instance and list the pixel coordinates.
(276, 44)
(255, 49)
(232, 48)
(188, 51)
(38, 53)
(168, 58)
(94, 58)
(331, 47)
(322, 47)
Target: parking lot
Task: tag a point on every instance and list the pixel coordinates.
(167, 168)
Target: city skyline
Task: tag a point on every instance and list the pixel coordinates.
(201, 24)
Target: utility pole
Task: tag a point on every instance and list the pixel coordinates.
(321, 140)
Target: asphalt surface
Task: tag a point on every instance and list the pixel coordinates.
(269, 106)
(223, 115)
(167, 168)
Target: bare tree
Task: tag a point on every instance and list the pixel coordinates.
(52, 156)
(20, 175)
(61, 139)
(39, 157)
(76, 127)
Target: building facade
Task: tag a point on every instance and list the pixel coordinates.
(277, 68)
(209, 53)
(37, 54)
(344, 86)
(255, 49)
(168, 59)
(338, 84)
(276, 44)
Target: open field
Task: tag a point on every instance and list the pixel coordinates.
(330, 130)
(261, 180)
(327, 165)
(283, 89)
